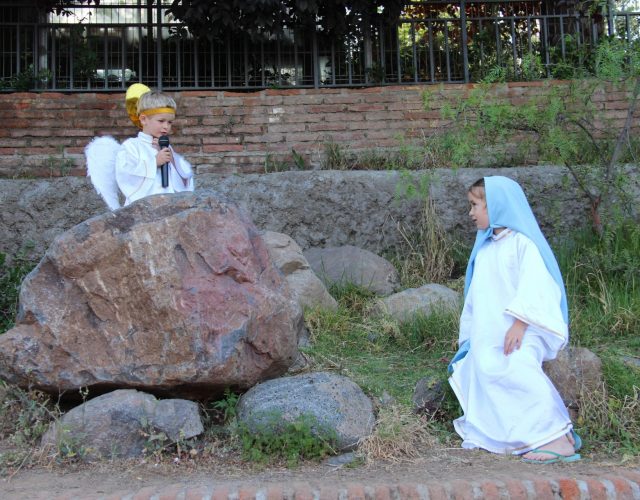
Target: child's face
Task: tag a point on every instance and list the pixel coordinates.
(478, 211)
(157, 125)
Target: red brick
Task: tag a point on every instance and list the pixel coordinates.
(569, 489)
(409, 492)
(632, 475)
(145, 493)
(302, 492)
(222, 148)
(355, 491)
(197, 493)
(328, 492)
(247, 493)
(516, 489)
(437, 491)
(621, 485)
(543, 490)
(274, 492)
(597, 490)
(382, 492)
(462, 490)
(220, 493)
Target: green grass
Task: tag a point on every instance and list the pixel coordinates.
(603, 285)
(12, 272)
(387, 358)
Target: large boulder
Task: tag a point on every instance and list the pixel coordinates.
(349, 264)
(334, 403)
(175, 295)
(119, 425)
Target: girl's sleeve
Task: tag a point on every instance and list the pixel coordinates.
(135, 172)
(538, 296)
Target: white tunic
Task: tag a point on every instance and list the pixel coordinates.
(138, 175)
(509, 404)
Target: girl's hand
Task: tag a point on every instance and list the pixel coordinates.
(164, 156)
(513, 338)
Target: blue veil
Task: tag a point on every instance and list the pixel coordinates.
(507, 206)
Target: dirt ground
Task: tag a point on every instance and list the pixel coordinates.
(437, 465)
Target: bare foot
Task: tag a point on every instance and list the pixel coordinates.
(562, 445)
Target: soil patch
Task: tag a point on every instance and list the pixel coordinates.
(104, 478)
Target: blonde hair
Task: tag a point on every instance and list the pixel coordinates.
(155, 99)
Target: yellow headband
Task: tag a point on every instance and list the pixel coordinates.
(157, 111)
(134, 92)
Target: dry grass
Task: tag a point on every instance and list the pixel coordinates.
(608, 418)
(400, 435)
(426, 252)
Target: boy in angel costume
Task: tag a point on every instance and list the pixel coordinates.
(514, 318)
(134, 167)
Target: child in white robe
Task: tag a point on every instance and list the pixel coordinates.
(134, 168)
(514, 318)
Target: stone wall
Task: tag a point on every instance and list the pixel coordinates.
(316, 208)
(44, 134)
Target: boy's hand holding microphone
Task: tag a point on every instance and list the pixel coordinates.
(163, 158)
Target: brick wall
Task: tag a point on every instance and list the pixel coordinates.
(43, 135)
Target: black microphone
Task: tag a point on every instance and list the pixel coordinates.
(163, 142)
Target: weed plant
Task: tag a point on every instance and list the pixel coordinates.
(304, 438)
(11, 276)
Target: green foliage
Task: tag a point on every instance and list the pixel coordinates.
(59, 166)
(26, 79)
(219, 18)
(24, 415)
(11, 276)
(304, 438)
(565, 124)
(157, 443)
(227, 406)
(602, 277)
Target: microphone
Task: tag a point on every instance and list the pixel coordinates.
(163, 142)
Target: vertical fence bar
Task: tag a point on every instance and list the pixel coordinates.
(159, 67)
(105, 58)
(432, 64)
(414, 52)
(196, 62)
(316, 58)
(54, 72)
(245, 56)
(514, 48)
(398, 58)
(465, 50)
(447, 49)
(547, 55)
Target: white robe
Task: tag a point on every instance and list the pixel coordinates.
(509, 404)
(137, 174)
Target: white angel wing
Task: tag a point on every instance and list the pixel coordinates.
(101, 168)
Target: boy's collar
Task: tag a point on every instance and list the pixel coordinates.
(145, 137)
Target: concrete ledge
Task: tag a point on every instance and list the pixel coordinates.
(317, 208)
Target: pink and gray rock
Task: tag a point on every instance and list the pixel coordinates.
(175, 295)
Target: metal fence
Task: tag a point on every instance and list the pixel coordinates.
(110, 46)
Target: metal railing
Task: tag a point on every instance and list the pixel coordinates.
(110, 46)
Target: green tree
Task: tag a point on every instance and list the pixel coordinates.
(219, 18)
